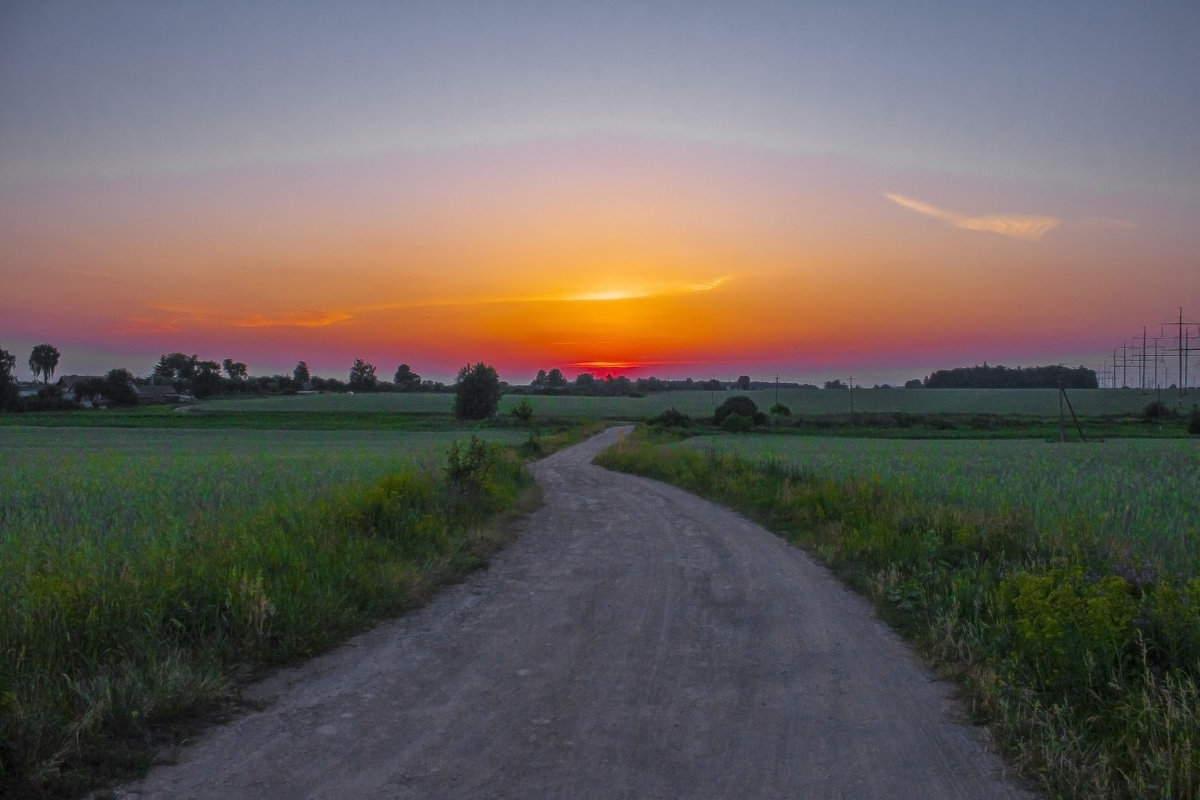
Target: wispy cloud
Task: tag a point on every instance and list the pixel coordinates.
(133, 326)
(174, 319)
(1019, 226)
(641, 291)
(297, 319)
(616, 291)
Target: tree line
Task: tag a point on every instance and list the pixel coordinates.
(201, 378)
(1000, 377)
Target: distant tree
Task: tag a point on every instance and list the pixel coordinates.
(915, 383)
(741, 405)
(43, 361)
(835, 384)
(1001, 377)
(362, 376)
(584, 380)
(406, 380)
(539, 380)
(205, 379)
(119, 388)
(8, 383)
(300, 374)
(476, 392)
(328, 384)
(236, 370)
(743, 383)
(556, 380)
(177, 368)
(712, 385)
(90, 390)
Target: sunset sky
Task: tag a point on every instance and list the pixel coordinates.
(649, 188)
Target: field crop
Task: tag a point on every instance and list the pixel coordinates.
(1135, 497)
(142, 569)
(1041, 403)
(1058, 583)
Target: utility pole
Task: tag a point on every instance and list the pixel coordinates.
(1185, 349)
(1143, 380)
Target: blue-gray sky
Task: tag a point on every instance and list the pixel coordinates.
(971, 117)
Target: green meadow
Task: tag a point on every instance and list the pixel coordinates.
(1137, 496)
(146, 569)
(153, 557)
(1041, 403)
(1058, 583)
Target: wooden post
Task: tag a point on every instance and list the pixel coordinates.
(1062, 431)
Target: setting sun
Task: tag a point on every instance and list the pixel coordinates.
(414, 206)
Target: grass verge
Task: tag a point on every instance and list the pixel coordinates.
(111, 651)
(1084, 664)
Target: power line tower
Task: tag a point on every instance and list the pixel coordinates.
(1184, 348)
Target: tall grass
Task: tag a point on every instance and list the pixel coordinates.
(136, 586)
(1136, 497)
(1084, 663)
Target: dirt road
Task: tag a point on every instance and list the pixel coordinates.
(634, 642)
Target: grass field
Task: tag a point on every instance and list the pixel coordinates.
(1137, 496)
(1021, 402)
(1058, 583)
(144, 569)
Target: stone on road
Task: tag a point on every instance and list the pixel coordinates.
(635, 641)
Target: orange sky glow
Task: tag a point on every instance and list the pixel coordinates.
(436, 210)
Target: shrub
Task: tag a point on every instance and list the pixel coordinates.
(523, 411)
(1155, 410)
(467, 467)
(737, 423)
(739, 404)
(671, 418)
(780, 410)
(1194, 421)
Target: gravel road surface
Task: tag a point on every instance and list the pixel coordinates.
(634, 642)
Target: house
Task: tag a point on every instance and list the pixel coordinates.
(70, 386)
(162, 393)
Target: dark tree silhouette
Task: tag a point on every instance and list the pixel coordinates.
(362, 376)
(1001, 377)
(206, 378)
(43, 361)
(406, 380)
(236, 370)
(476, 392)
(119, 388)
(300, 374)
(178, 368)
(8, 387)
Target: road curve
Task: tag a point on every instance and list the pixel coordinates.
(634, 642)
